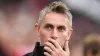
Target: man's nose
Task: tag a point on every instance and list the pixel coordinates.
(54, 34)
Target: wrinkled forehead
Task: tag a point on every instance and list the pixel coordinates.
(55, 18)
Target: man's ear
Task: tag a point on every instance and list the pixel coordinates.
(69, 34)
(37, 29)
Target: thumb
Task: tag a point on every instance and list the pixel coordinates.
(66, 47)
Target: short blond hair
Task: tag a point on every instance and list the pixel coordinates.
(58, 7)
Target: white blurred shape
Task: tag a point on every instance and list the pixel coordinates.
(90, 8)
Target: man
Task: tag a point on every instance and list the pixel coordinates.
(91, 45)
(54, 28)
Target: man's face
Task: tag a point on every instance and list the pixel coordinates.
(54, 26)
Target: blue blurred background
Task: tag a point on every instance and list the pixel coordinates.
(17, 19)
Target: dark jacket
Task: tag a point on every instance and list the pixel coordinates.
(38, 51)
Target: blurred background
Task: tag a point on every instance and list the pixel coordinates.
(17, 19)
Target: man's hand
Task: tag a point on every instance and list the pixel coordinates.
(53, 48)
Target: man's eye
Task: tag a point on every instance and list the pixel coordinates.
(61, 28)
(48, 26)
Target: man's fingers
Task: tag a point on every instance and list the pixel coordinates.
(50, 45)
(55, 43)
(48, 49)
(46, 54)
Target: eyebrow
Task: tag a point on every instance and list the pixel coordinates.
(62, 26)
(49, 24)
